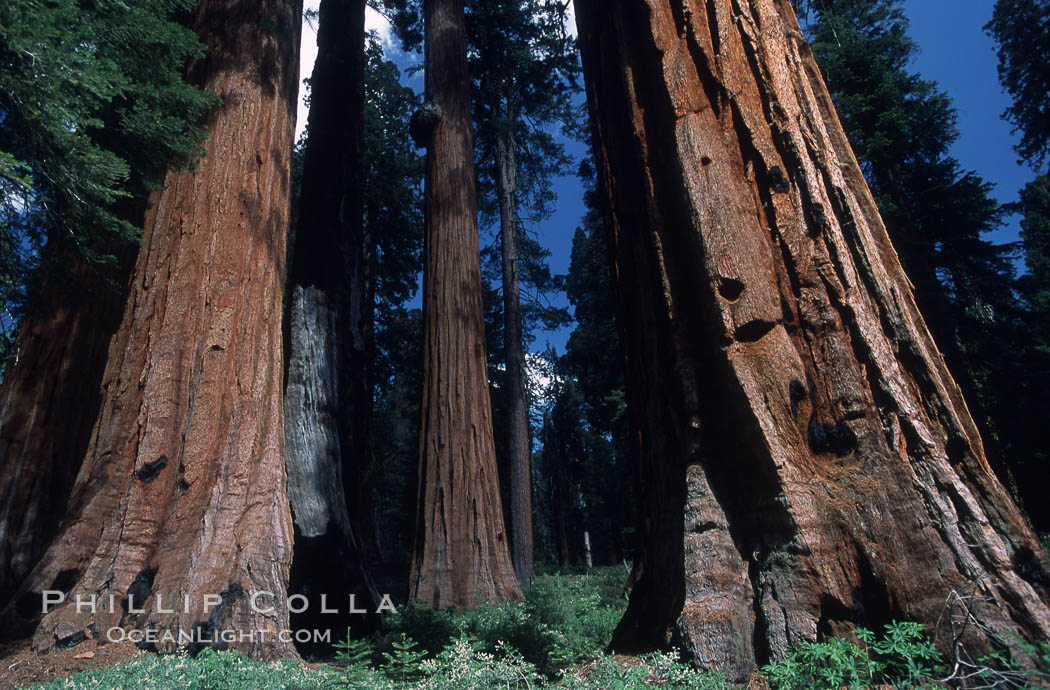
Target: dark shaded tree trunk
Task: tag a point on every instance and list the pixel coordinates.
(181, 496)
(806, 462)
(560, 506)
(49, 403)
(327, 395)
(460, 550)
(517, 401)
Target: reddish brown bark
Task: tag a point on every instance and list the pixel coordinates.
(806, 462)
(182, 493)
(460, 548)
(48, 406)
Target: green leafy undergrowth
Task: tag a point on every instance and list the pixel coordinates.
(659, 670)
(564, 619)
(902, 657)
(209, 670)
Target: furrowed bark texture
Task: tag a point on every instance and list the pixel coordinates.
(327, 398)
(460, 548)
(182, 492)
(48, 406)
(806, 462)
(517, 404)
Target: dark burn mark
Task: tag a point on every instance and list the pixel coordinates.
(730, 289)
(139, 590)
(705, 526)
(785, 311)
(705, 160)
(820, 220)
(956, 448)
(65, 580)
(70, 640)
(780, 183)
(798, 393)
(30, 605)
(145, 645)
(753, 331)
(151, 470)
(1028, 567)
(830, 438)
(206, 633)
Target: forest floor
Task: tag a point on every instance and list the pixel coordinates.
(555, 640)
(21, 666)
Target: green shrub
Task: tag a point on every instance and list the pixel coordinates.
(904, 656)
(564, 619)
(209, 670)
(463, 666)
(1000, 668)
(583, 610)
(664, 671)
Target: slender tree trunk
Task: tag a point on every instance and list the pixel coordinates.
(517, 403)
(49, 402)
(460, 545)
(807, 464)
(181, 496)
(327, 398)
(555, 467)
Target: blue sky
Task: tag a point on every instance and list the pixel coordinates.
(953, 51)
(956, 53)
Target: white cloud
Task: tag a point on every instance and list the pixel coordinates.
(378, 23)
(540, 374)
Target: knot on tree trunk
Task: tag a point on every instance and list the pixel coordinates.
(421, 127)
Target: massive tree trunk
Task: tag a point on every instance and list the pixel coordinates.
(517, 403)
(460, 550)
(327, 397)
(806, 462)
(49, 403)
(181, 496)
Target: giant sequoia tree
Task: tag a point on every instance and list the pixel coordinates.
(83, 180)
(523, 73)
(182, 493)
(902, 128)
(806, 462)
(460, 545)
(327, 397)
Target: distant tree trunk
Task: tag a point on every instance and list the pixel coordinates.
(555, 466)
(182, 495)
(49, 402)
(327, 397)
(807, 464)
(460, 546)
(517, 403)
